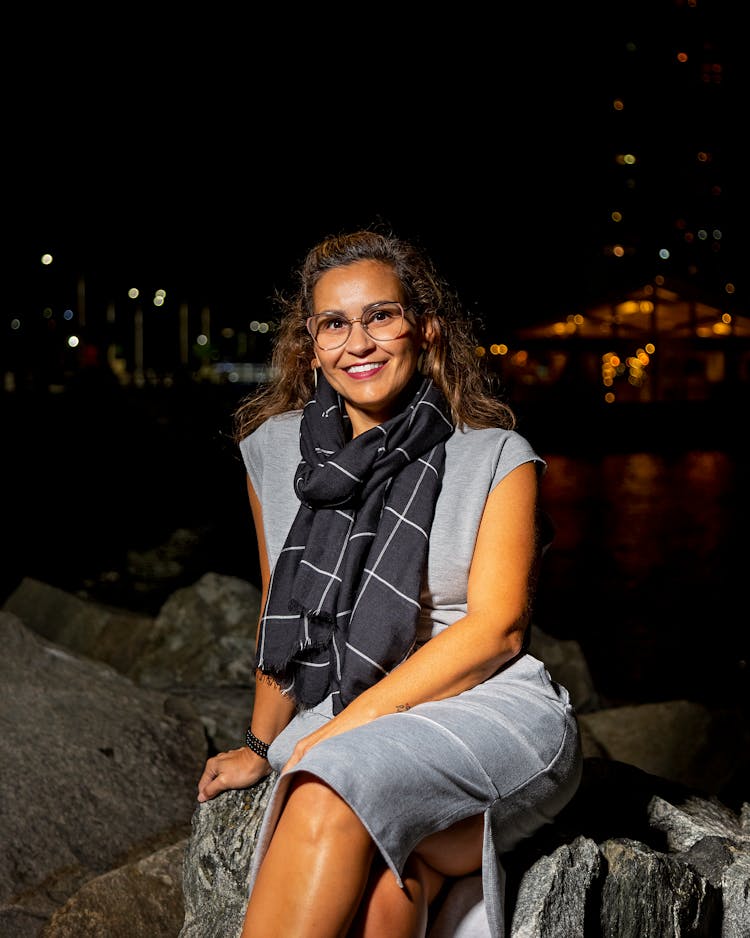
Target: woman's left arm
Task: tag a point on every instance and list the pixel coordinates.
(500, 589)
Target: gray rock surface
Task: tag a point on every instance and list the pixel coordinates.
(137, 900)
(94, 771)
(217, 860)
(676, 739)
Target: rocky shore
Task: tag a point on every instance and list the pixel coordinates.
(109, 714)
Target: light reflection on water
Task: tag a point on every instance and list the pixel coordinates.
(645, 571)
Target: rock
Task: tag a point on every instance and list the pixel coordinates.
(94, 771)
(204, 635)
(138, 900)
(202, 648)
(555, 895)
(678, 740)
(567, 665)
(217, 860)
(101, 632)
(648, 894)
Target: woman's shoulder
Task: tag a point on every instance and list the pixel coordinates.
(493, 447)
(479, 439)
(276, 437)
(276, 427)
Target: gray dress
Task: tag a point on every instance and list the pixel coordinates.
(507, 748)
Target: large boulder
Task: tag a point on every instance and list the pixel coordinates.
(94, 771)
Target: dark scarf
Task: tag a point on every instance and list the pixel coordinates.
(343, 602)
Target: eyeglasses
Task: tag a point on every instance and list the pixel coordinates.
(383, 322)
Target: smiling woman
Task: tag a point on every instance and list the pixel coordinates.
(396, 513)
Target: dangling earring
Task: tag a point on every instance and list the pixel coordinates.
(314, 366)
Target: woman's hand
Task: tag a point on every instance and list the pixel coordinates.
(236, 768)
(348, 719)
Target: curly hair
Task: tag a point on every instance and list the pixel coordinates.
(450, 359)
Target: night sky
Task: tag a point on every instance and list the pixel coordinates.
(205, 157)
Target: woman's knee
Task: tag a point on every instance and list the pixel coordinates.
(317, 810)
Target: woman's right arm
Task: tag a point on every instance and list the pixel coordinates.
(240, 768)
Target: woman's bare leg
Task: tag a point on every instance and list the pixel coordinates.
(386, 909)
(315, 871)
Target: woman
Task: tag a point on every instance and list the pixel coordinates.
(396, 511)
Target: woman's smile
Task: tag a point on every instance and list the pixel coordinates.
(365, 370)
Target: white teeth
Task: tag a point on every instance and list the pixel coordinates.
(369, 366)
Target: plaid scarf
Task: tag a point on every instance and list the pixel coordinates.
(343, 601)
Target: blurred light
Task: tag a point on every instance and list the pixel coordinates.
(664, 254)
(134, 293)
(73, 341)
(158, 300)
(68, 314)
(46, 259)
(202, 339)
(15, 324)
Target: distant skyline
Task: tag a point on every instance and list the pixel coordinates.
(496, 160)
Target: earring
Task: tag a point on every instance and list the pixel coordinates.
(314, 366)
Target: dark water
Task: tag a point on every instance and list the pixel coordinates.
(648, 569)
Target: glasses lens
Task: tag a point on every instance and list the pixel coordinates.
(329, 331)
(384, 322)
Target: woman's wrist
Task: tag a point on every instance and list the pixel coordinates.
(256, 745)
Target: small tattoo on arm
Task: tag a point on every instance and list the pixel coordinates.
(400, 708)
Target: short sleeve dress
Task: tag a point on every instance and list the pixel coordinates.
(508, 748)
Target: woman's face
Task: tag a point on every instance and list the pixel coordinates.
(369, 375)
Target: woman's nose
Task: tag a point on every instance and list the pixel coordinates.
(359, 338)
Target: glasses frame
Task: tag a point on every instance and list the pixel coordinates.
(359, 319)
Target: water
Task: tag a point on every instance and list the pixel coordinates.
(647, 571)
(647, 568)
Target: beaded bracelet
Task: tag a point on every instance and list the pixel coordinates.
(256, 744)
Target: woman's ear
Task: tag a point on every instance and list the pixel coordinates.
(429, 330)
